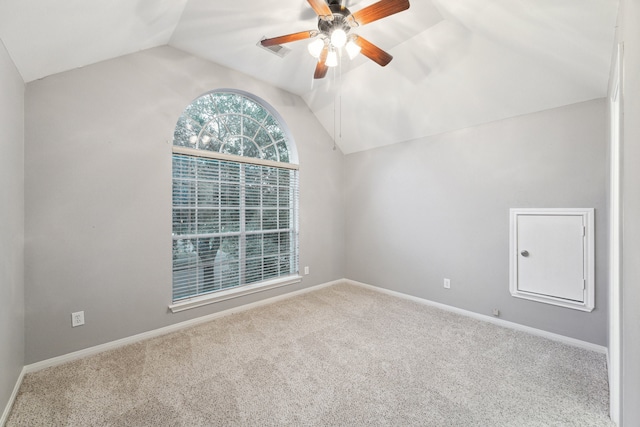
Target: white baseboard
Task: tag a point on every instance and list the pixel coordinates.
(12, 398)
(500, 322)
(165, 330)
(182, 325)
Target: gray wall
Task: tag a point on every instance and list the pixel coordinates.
(438, 207)
(98, 178)
(629, 34)
(11, 226)
(98, 196)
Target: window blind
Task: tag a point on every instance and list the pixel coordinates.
(234, 223)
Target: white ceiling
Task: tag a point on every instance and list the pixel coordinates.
(457, 63)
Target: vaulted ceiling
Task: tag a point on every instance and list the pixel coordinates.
(457, 63)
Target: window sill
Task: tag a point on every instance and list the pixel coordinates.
(233, 293)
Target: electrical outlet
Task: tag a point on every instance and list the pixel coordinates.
(496, 312)
(447, 284)
(77, 319)
(306, 270)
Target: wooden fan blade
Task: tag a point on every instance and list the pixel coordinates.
(379, 10)
(321, 67)
(373, 52)
(322, 9)
(289, 38)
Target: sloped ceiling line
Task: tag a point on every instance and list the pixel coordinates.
(457, 63)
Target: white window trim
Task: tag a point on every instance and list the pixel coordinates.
(231, 293)
(231, 158)
(246, 289)
(239, 291)
(223, 295)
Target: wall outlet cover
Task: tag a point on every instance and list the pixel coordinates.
(77, 319)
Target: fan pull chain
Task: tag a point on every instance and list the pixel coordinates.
(339, 97)
(334, 123)
(333, 75)
(340, 92)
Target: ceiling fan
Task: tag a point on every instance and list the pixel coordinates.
(334, 23)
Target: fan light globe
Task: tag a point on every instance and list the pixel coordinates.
(315, 47)
(352, 49)
(338, 38)
(332, 59)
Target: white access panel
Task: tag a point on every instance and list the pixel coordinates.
(552, 256)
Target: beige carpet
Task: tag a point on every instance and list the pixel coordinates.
(339, 356)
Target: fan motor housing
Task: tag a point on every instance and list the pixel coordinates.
(339, 21)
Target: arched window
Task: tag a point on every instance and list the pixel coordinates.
(235, 200)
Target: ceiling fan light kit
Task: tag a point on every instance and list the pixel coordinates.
(352, 48)
(315, 47)
(335, 22)
(338, 38)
